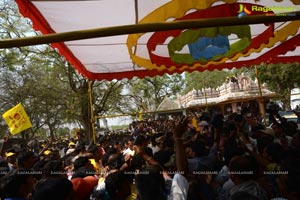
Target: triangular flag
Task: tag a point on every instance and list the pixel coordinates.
(17, 119)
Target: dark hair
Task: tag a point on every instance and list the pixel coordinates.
(53, 166)
(137, 162)
(80, 162)
(243, 195)
(217, 121)
(114, 182)
(150, 183)
(262, 142)
(242, 167)
(140, 140)
(231, 149)
(107, 154)
(79, 148)
(49, 189)
(10, 184)
(92, 148)
(275, 150)
(198, 147)
(115, 161)
(23, 156)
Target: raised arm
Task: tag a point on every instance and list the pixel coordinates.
(5, 139)
(181, 159)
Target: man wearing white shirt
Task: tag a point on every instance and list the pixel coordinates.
(129, 149)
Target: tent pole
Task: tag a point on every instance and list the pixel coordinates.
(146, 27)
(261, 100)
(92, 111)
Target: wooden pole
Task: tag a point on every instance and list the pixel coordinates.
(261, 100)
(92, 111)
(144, 28)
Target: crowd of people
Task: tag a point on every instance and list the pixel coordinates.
(203, 156)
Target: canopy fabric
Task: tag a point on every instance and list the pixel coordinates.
(174, 51)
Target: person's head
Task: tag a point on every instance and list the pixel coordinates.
(137, 162)
(82, 161)
(231, 149)
(105, 157)
(117, 185)
(11, 156)
(95, 150)
(295, 143)
(140, 141)
(26, 160)
(278, 129)
(115, 161)
(262, 142)
(71, 145)
(273, 153)
(117, 145)
(80, 149)
(150, 183)
(17, 184)
(56, 188)
(153, 141)
(130, 144)
(243, 195)
(205, 130)
(160, 142)
(196, 149)
(54, 168)
(241, 169)
(255, 131)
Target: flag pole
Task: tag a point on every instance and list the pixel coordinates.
(92, 111)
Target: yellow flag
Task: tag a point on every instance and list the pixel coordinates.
(140, 115)
(17, 119)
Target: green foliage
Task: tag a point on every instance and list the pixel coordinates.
(206, 79)
(147, 93)
(281, 78)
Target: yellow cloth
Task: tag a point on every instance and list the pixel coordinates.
(95, 164)
(273, 167)
(195, 124)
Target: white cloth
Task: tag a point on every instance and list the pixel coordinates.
(128, 151)
(222, 176)
(155, 149)
(70, 151)
(179, 188)
(101, 185)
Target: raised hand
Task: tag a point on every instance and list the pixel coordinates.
(181, 127)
